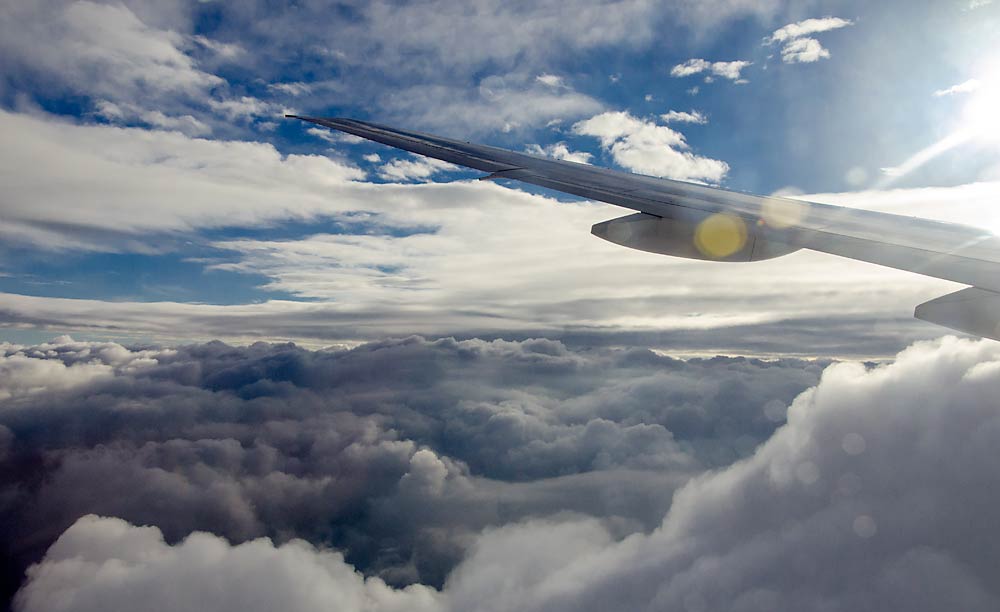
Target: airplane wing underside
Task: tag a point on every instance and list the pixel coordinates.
(697, 221)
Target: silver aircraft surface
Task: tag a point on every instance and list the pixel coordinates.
(695, 221)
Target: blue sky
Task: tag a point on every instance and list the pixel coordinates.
(151, 163)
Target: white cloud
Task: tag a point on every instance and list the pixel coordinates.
(21, 375)
(246, 108)
(106, 563)
(118, 189)
(690, 67)
(684, 117)
(551, 80)
(798, 45)
(727, 70)
(103, 50)
(647, 148)
(560, 150)
(186, 124)
(292, 89)
(962, 88)
(803, 51)
(415, 168)
(149, 181)
(28, 370)
(372, 158)
(500, 102)
(808, 27)
(333, 136)
(227, 51)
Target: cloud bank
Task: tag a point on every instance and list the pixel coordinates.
(877, 492)
(396, 453)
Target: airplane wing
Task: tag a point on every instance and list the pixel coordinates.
(701, 222)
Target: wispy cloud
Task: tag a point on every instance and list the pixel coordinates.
(684, 117)
(962, 88)
(727, 70)
(560, 150)
(551, 80)
(415, 168)
(797, 44)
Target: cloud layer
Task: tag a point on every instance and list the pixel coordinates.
(396, 453)
(881, 479)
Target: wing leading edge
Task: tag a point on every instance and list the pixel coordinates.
(690, 220)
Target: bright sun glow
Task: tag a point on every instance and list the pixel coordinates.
(981, 116)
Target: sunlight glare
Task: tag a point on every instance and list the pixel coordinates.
(981, 115)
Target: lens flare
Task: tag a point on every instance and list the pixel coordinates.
(720, 236)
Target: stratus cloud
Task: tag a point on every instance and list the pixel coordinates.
(648, 148)
(396, 453)
(727, 70)
(798, 46)
(106, 53)
(882, 478)
(418, 267)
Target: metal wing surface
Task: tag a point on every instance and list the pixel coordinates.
(702, 222)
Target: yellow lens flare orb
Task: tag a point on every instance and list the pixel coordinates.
(720, 235)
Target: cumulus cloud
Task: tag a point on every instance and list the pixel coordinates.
(727, 70)
(882, 478)
(80, 574)
(396, 453)
(648, 148)
(803, 51)
(797, 44)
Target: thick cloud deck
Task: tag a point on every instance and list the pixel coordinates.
(395, 453)
(879, 493)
